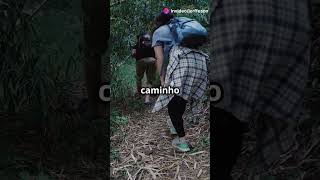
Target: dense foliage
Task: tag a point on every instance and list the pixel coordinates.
(40, 56)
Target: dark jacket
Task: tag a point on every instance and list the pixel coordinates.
(143, 52)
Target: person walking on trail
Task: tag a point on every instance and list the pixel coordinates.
(145, 63)
(261, 53)
(182, 67)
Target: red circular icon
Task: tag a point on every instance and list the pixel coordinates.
(166, 10)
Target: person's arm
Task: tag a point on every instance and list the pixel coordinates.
(158, 50)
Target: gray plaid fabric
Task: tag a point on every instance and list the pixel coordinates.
(187, 70)
(261, 53)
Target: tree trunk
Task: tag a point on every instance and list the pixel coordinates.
(96, 36)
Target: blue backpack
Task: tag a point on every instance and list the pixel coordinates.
(187, 32)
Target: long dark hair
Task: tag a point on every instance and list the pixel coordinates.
(162, 19)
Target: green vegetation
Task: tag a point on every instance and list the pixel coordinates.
(116, 121)
(125, 26)
(128, 19)
(41, 52)
(41, 81)
(202, 144)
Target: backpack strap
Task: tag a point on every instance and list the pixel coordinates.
(187, 21)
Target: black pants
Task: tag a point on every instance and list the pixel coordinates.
(227, 132)
(176, 108)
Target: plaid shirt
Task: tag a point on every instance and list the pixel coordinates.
(187, 70)
(261, 53)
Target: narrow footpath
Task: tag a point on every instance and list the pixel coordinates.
(145, 150)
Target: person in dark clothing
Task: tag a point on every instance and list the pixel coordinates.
(145, 62)
(260, 51)
(176, 109)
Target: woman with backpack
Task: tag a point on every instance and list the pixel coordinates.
(180, 67)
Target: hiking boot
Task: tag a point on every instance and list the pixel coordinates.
(180, 144)
(172, 129)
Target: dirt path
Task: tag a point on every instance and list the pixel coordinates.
(145, 150)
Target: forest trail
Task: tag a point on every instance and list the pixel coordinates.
(145, 150)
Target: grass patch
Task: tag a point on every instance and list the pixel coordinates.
(123, 82)
(117, 120)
